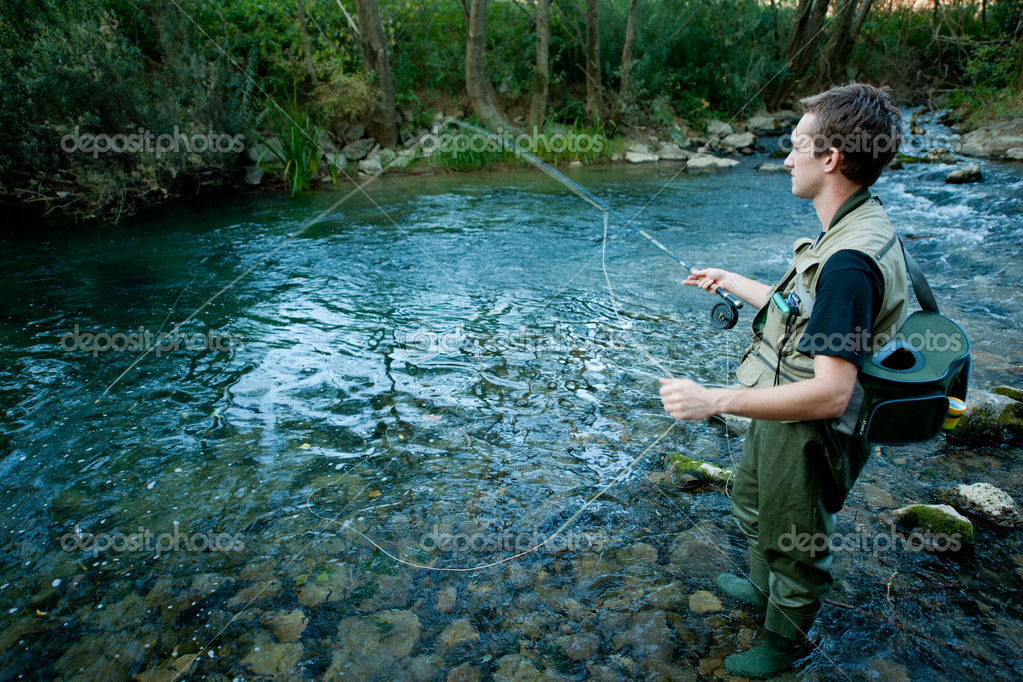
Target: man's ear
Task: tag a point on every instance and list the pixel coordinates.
(833, 160)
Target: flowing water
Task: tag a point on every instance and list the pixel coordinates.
(443, 377)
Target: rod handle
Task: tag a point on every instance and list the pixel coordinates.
(734, 301)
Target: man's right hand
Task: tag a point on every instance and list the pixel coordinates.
(749, 290)
(706, 278)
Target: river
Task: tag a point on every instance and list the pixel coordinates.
(441, 374)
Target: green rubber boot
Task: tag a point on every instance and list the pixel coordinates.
(743, 590)
(773, 656)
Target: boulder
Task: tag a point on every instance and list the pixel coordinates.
(268, 153)
(990, 417)
(636, 146)
(988, 502)
(1014, 153)
(761, 121)
(774, 168)
(640, 157)
(993, 140)
(709, 162)
(371, 165)
(703, 601)
(253, 175)
(669, 151)
(938, 519)
(718, 128)
(699, 552)
(738, 140)
(359, 149)
(965, 175)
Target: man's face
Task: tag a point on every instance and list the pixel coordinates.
(807, 168)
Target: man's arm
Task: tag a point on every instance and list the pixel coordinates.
(749, 290)
(825, 396)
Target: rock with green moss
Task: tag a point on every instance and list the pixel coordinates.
(992, 417)
(1010, 392)
(937, 519)
(687, 471)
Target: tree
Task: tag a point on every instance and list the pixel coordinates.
(478, 85)
(842, 36)
(303, 31)
(630, 36)
(541, 82)
(800, 51)
(594, 91)
(373, 46)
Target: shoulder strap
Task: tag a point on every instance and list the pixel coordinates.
(924, 295)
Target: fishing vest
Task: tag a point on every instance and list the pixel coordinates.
(772, 359)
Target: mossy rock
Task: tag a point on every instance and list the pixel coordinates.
(992, 417)
(906, 158)
(1014, 393)
(939, 519)
(688, 471)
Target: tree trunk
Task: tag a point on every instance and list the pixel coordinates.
(478, 85)
(303, 30)
(594, 91)
(800, 51)
(1019, 72)
(541, 84)
(373, 46)
(839, 47)
(630, 36)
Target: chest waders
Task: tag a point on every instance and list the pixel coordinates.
(793, 476)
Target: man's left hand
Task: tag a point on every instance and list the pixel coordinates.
(686, 399)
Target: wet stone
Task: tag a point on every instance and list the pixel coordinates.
(699, 551)
(876, 498)
(368, 644)
(517, 668)
(446, 600)
(270, 658)
(464, 673)
(670, 596)
(648, 634)
(287, 626)
(331, 583)
(459, 632)
(579, 647)
(255, 593)
(704, 602)
(393, 591)
(425, 667)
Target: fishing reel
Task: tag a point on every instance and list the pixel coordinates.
(724, 315)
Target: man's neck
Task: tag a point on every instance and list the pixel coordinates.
(830, 200)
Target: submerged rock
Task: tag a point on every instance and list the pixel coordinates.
(702, 601)
(270, 658)
(368, 644)
(287, 626)
(773, 168)
(989, 502)
(579, 647)
(700, 551)
(938, 519)
(648, 634)
(517, 668)
(688, 471)
(965, 175)
(459, 632)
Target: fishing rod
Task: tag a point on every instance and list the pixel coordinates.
(723, 315)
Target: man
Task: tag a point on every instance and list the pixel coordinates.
(843, 290)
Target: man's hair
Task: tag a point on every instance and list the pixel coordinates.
(861, 121)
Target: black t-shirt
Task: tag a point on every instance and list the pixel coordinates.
(849, 293)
